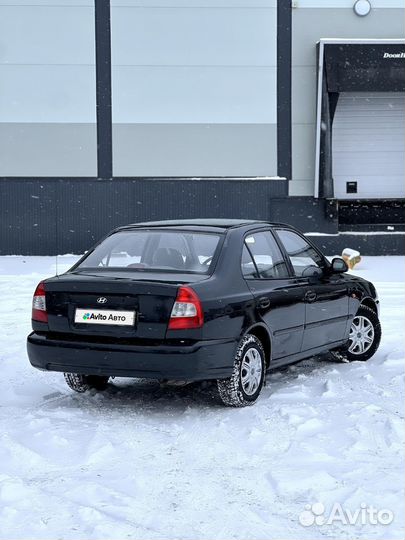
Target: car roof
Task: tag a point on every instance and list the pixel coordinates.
(206, 223)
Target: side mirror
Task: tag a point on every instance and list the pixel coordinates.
(339, 266)
(312, 272)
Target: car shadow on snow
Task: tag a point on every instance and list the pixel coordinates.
(152, 396)
(138, 395)
(147, 392)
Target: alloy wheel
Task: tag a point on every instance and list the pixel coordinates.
(361, 335)
(251, 371)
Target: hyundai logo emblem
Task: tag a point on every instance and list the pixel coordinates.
(101, 300)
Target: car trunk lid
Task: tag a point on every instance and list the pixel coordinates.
(113, 304)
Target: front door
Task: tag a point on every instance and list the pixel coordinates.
(326, 298)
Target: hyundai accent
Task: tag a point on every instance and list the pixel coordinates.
(194, 300)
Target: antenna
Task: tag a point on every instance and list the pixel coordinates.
(56, 230)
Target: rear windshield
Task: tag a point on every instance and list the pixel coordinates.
(171, 251)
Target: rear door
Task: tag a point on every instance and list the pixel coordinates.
(326, 298)
(278, 296)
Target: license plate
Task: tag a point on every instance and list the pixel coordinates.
(102, 316)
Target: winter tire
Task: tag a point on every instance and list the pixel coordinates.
(364, 336)
(243, 387)
(81, 383)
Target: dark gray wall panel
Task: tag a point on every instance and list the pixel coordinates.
(306, 213)
(46, 217)
(323, 218)
(195, 150)
(28, 224)
(376, 245)
(48, 149)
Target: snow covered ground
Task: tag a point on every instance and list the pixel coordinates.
(144, 462)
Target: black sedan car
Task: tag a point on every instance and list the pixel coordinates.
(195, 300)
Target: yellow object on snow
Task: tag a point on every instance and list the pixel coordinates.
(351, 256)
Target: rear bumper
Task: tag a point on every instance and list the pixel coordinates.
(200, 361)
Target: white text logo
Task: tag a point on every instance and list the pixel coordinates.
(365, 515)
(394, 55)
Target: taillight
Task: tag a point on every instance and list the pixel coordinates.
(39, 304)
(187, 310)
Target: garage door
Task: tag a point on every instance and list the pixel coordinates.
(368, 140)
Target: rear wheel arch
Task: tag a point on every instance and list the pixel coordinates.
(245, 384)
(263, 335)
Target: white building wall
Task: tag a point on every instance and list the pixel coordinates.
(47, 88)
(311, 21)
(194, 87)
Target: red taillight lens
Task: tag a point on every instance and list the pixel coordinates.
(187, 310)
(39, 304)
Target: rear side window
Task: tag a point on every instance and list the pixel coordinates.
(266, 255)
(248, 266)
(157, 250)
(300, 252)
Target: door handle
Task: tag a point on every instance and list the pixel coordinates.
(310, 296)
(264, 302)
